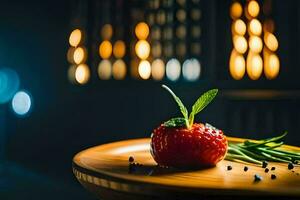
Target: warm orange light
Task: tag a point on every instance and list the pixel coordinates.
(240, 44)
(239, 27)
(119, 69)
(255, 44)
(254, 65)
(104, 69)
(237, 66)
(142, 30)
(253, 8)
(271, 66)
(236, 10)
(255, 27)
(271, 41)
(82, 74)
(119, 49)
(105, 49)
(79, 55)
(142, 49)
(144, 69)
(106, 32)
(75, 37)
(158, 69)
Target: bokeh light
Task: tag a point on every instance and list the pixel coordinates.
(253, 8)
(254, 65)
(75, 37)
(21, 103)
(144, 69)
(271, 66)
(71, 73)
(104, 69)
(79, 55)
(239, 27)
(82, 74)
(173, 69)
(255, 27)
(105, 49)
(255, 44)
(119, 49)
(271, 41)
(191, 69)
(9, 84)
(142, 49)
(119, 69)
(240, 44)
(237, 65)
(106, 32)
(236, 10)
(142, 30)
(158, 69)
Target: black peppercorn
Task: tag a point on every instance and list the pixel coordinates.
(229, 168)
(267, 170)
(273, 176)
(246, 168)
(264, 164)
(257, 178)
(290, 166)
(273, 168)
(131, 159)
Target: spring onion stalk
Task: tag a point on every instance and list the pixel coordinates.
(262, 150)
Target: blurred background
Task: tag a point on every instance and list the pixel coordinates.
(74, 74)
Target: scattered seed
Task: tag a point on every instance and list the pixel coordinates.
(257, 178)
(267, 170)
(229, 167)
(293, 171)
(246, 168)
(290, 166)
(273, 168)
(273, 176)
(264, 164)
(297, 174)
(131, 159)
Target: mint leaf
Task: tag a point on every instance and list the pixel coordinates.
(201, 103)
(175, 122)
(180, 104)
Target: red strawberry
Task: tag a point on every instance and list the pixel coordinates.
(181, 147)
(180, 142)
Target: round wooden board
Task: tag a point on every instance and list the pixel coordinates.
(104, 170)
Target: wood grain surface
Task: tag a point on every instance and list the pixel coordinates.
(104, 170)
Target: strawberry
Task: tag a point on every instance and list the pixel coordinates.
(179, 142)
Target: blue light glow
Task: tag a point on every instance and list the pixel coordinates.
(9, 84)
(21, 103)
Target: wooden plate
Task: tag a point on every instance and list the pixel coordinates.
(104, 170)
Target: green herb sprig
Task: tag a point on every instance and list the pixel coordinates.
(261, 150)
(198, 106)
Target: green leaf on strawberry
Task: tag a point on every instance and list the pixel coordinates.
(175, 122)
(198, 106)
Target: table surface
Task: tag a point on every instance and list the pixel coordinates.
(106, 166)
